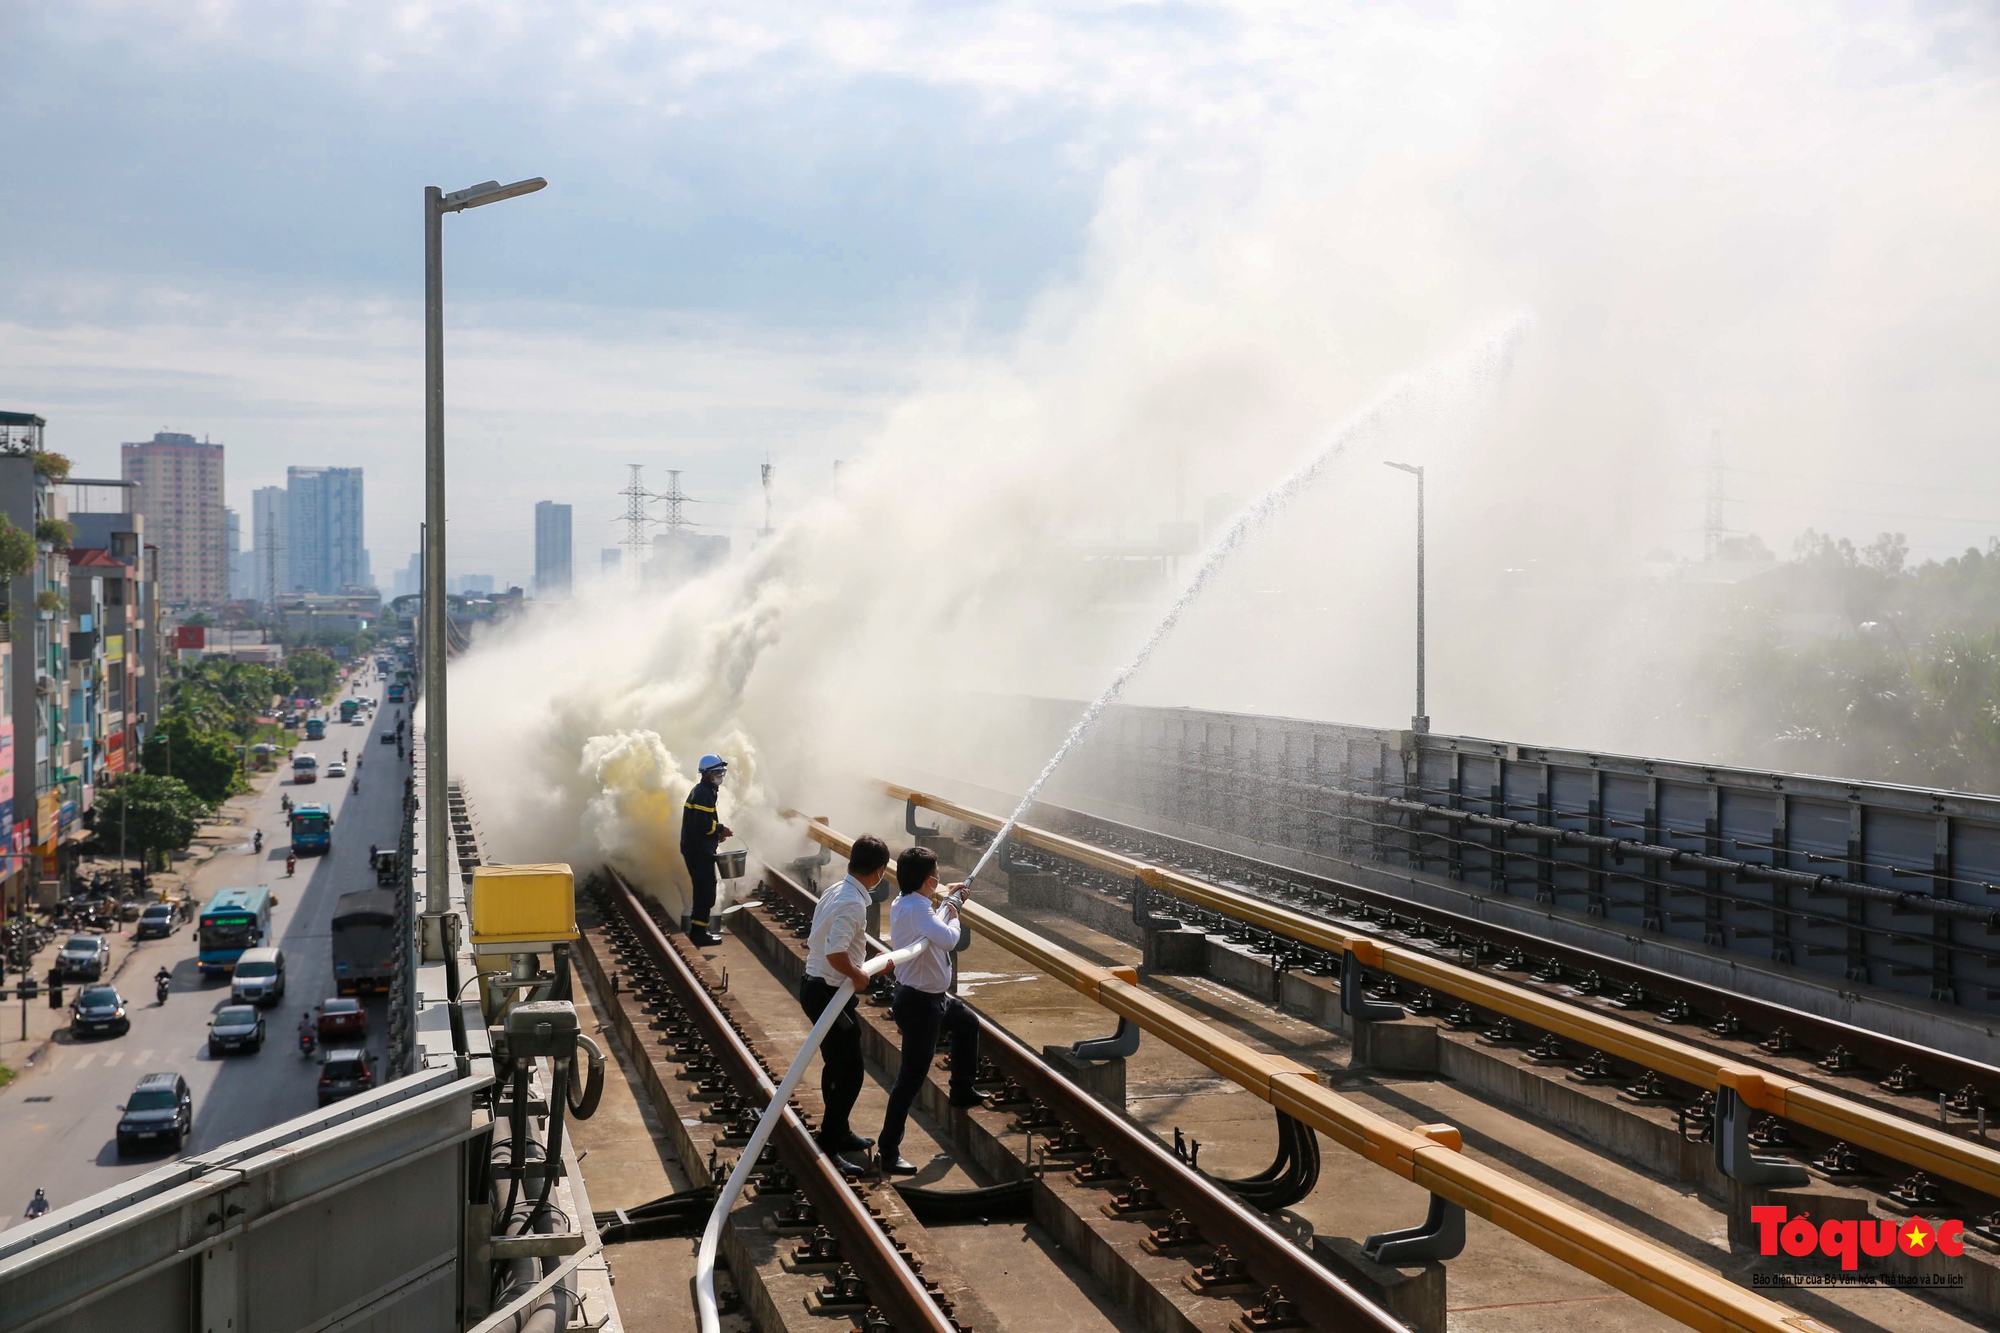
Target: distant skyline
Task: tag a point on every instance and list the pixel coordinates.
(770, 229)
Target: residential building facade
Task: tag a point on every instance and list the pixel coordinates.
(552, 549)
(180, 493)
(323, 526)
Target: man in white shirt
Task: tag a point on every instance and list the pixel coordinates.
(925, 1006)
(836, 948)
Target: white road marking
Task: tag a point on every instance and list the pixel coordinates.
(145, 1057)
(113, 1058)
(83, 1061)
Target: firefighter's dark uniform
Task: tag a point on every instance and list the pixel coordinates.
(701, 833)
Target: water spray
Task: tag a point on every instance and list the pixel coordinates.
(1490, 354)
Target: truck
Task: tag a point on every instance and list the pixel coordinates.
(348, 709)
(364, 941)
(312, 829)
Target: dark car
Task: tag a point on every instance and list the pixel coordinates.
(159, 1114)
(83, 957)
(158, 920)
(98, 1011)
(236, 1027)
(345, 1073)
(342, 1021)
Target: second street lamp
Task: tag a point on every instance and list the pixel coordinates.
(437, 821)
(1421, 722)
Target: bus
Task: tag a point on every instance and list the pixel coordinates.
(396, 693)
(312, 829)
(305, 768)
(234, 920)
(315, 728)
(348, 709)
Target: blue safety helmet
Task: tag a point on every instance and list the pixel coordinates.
(712, 762)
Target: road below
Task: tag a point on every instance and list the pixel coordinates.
(59, 1119)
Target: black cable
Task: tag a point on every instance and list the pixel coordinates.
(552, 1150)
(517, 1124)
(1012, 1201)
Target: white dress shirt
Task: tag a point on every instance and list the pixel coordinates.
(914, 918)
(840, 925)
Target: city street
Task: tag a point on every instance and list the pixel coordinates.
(58, 1119)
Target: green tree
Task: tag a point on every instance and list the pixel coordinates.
(203, 759)
(156, 815)
(17, 549)
(313, 672)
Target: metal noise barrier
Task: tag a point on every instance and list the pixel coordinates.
(746, 1161)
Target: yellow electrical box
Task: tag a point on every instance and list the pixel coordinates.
(522, 905)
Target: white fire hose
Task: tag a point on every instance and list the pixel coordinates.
(711, 1236)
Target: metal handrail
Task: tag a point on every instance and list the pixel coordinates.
(1903, 1140)
(1652, 1274)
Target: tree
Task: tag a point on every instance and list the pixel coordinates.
(17, 550)
(203, 759)
(157, 815)
(313, 672)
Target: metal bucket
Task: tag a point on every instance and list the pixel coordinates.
(730, 865)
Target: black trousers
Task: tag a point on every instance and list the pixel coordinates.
(840, 1072)
(701, 871)
(921, 1016)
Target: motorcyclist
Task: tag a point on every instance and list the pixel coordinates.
(291, 863)
(38, 1205)
(357, 784)
(343, 756)
(163, 981)
(308, 1029)
(257, 841)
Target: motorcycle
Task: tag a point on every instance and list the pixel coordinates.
(162, 984)
(357, 784)
(257, 841)
(306, 1043)
(291, 864)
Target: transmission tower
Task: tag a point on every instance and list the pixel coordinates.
(637, 520)
(767, 500)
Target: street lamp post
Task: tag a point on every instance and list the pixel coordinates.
(1421, 722)
(437, 822)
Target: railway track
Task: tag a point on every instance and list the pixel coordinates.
(1160, 1237)
(1855, 1105)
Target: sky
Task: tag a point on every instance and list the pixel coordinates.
(775, 231)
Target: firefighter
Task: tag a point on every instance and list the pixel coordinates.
(701, 830)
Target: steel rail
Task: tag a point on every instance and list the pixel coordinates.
(1970, 1164)
(891, 1285)
(1323, 1299)
(1942, 1069)
(1657, 1277)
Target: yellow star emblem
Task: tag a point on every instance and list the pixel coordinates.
(1914, 1233)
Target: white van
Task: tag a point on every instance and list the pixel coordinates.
(259, 977)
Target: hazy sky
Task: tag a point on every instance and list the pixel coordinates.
(772, 227)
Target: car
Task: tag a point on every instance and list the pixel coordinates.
(98, 1011)
(83, 958)
(236, 1027)
(388, 738)
(160, 1112)
(342, 1019)
(158, 920)
(259, 977)
(336, 769)
(345, 1072)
